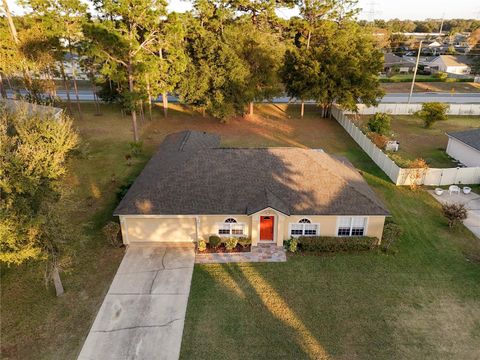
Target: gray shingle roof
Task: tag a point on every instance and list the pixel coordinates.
(191, 175)
(469, 137)
(391, 59)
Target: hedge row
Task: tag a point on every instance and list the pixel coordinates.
(336, 244)
(425, 80)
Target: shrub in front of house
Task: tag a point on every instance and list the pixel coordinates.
(214, 241)
(336, 244)
(201, 245)
(391, 233)
(244, 241)
(230, 243)
(293, 245)
(111, 232)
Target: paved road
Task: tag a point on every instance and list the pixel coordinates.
(144, 310)
(458, 98)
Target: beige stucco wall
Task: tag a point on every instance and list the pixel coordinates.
(208, 224)
(463, 153)
(328, 225)
(375, 226)
(184, 228)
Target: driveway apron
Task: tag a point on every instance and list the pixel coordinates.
(143, 313)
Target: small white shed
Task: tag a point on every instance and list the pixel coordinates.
(465, 147)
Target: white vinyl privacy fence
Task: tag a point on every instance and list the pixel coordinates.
(407, 109)
(19, 105)
(401, 176)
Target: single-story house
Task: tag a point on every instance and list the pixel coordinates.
(192, 188)
(465, 147)
(434, 44)
(453, 64)
(393, 63)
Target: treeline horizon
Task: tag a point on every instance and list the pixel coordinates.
(220, 58)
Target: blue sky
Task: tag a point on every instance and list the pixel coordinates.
(384, 9)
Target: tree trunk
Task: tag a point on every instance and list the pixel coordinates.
(302, 109)
(165, 104)
(203, 112)
(57, 281)
(76, 93)
(74, 77)
(66, 85)
(133, 111)
(142, 113)
(149, 94)
(95, 98)
(250, 108)
(3, 91)
(11, 25)
(51, 78)
(10, 86)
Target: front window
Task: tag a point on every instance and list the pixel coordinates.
(231, 227)
(351, 226)
(304, 228)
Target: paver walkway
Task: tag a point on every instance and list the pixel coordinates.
(260, 253)
(472, 204)
(143, 313)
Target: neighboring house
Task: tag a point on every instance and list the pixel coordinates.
(453, 64)
(192, 188)
(396, 64)
(434, 44)
(465, 147)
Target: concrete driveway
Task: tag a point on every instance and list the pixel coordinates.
(472, 204)
(144, 310)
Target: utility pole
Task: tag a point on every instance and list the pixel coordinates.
(415, 72)
(441, 24)
(11, 25)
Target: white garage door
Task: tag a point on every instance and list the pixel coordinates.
(160, 230)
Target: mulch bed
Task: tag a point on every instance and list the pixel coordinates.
(221, 249)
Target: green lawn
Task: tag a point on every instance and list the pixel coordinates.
(422, 303)
(430, 144)
(348, 306)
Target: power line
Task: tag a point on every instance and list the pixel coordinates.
(372, 10)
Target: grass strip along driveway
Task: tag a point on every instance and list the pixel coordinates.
(421, 303)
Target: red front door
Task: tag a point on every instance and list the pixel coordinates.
(266, 228)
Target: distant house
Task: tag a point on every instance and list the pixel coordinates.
(434, 44)
(453, 64)
(192, 188)
(396, 64)
(465, 147)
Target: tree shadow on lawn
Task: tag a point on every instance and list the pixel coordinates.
(234, 313)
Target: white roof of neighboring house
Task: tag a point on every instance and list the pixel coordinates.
(434, 44)
(454, 60)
